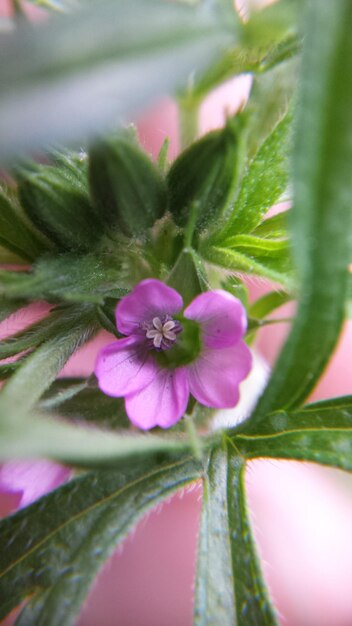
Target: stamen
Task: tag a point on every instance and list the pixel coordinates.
(163, 334)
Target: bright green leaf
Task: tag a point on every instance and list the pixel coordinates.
(268, 303)
(263, 183)
(272, 268)
(275, 227)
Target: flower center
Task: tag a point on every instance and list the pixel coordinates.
(163, 333)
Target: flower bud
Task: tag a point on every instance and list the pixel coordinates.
(127, 189)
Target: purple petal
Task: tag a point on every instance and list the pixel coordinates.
(31, 479)
(214, 377)
(162, 403)
(124, 367)
(150, 298)
(222, 317)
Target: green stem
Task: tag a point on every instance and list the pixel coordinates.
(194, 440)
(18, 10)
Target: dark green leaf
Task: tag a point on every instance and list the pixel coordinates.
(56, 199)
(322, 212)
(229, 587)
(79, 400)
(202, 178)
(8, 369)
(7, 308)
(128, 191)
(15, 235)
(32, 336)
(68, 277)
(263, 183)
(78, 83)
(52, 550)
(320, 432)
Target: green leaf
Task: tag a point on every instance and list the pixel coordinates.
(276, 24)
(35, 435)
(52, 550)
(56, 199)
(273, 268)
(349, 296)
(7, 308)
(270, 98)
(322, 211)
(128, 190)
(75, 326)
(321, 433)
(78, 83)
(229, 587)
(263, 183)
(77, 399)
(238, 289)
(8, 369)
(15, 235)
(202, 178)
(268, 303)
(32, 336)
(88, 278)
(275, 227)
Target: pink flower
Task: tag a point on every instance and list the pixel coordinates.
(166, 356)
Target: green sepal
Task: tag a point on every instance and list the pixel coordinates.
(127, 189)
(188, 275)
(56, 200)
(202, 179)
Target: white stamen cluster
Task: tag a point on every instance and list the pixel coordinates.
(160, 331)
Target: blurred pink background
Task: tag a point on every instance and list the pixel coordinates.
(301, 512)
